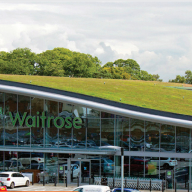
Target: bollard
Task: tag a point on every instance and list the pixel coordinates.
(150, 185)
(55, 181)
(43, 180)
(125, 183)
(66, 181)
(162, 185)
(89, 180)
(137, 183)
(113, 182)
(188, 187)
(78, 181)
(175, 186)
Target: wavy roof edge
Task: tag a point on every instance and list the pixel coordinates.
(98, 100)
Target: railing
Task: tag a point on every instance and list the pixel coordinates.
(134, 183)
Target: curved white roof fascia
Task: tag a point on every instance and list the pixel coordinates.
(97, 106)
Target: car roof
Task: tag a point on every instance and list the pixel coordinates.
(127, 189)
(92, 186)
(8, 172)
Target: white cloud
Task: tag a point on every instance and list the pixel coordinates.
(156, 34)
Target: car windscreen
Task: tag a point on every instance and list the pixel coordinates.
(4, 175)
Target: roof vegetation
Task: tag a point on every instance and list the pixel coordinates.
(154, 95)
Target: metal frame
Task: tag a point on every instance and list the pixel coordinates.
(98, 106)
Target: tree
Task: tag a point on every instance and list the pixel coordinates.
(188, 76)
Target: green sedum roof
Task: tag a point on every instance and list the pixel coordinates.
(154, 95)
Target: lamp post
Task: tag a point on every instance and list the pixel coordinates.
(122, 168)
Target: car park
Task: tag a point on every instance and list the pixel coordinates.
(14, 179)
(91, 188)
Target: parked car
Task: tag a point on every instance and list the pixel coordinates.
(125, 190)
(91, 188)
(2, 187)
(11, 165)
(165, 162)
(25, 158)
(14, 179)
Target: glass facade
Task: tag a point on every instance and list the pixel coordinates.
(99, 130)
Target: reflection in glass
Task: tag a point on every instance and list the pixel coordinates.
(107, 166)
(137, 135)
(10, 130)
(167, 138)
(51, 166)
(65, 135)
(107, 115)
(152, 167)
(24, 132)
(137, 166)
(182, 173)
(107, 132)
(51, 132)
(93, 132)
(1, 118)
(37, 105)
(122, 133)
(182, 140)
(92, 113)
(152, 136)
(79, 136)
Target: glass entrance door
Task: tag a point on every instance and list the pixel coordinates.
(80, 171)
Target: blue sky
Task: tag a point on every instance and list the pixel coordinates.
(155, 34)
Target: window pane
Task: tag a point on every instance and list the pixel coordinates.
(93, 132)
(137, 166)
(79, 136)
(122, 133)
(37, 105)
(152, 136)
(10, 130)
(182, 139)
(107, 132)
(137, 135)
(51, 132)
(23, 131)
(65, 135)
(152, 167)
(167, 138)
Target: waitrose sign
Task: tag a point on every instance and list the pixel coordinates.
(42, 121)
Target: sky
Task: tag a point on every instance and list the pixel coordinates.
(157, 34)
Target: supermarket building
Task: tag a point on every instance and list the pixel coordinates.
(52, 130)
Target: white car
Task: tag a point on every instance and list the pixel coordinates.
(165, 162)
(14, 179)
(92, 188)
